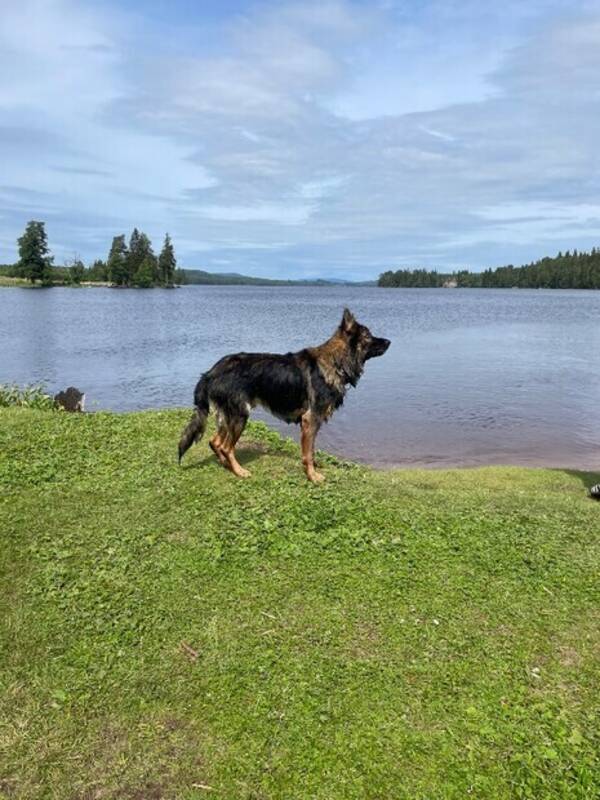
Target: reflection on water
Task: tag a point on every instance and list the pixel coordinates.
(471, 377)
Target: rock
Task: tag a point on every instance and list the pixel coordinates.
(70, 400)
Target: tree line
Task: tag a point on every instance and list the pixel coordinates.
(128, 264)
(136, 265)
(576, 270)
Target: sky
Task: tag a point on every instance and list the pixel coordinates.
(304, 139)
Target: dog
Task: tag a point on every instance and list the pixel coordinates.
(304, 387)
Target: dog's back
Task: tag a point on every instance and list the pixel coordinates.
(279, 383)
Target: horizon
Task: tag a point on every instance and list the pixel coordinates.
(271, 139)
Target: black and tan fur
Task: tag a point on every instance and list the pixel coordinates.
(304, 387)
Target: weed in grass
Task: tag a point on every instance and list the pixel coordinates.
(25, 396)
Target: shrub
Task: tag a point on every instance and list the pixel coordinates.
(26, 396)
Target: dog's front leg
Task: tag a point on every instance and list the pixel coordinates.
(309, 426)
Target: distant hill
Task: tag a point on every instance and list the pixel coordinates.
(200, 276)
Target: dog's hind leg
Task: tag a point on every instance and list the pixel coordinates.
(235, 428)
(216, 445)
(216, 442)
(310, 426)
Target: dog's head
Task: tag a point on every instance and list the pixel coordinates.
(360, 339)
(358, 345)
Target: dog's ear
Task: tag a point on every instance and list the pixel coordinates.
(348, 321)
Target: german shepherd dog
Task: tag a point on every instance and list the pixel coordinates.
(304, 387)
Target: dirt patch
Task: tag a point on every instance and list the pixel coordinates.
(150, 791)
(173, 724)
(365, 643)
(7, 787)
(569, 657)
(252, 447)
(150, 761)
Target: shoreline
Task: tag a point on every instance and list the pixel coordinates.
(439, 466)
(9, 282)
(421, 464)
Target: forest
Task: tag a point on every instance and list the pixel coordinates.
(128, 264)
(569, 270)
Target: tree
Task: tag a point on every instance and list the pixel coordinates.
(576, 270)
(145, 276)
(167, 263)
(117, 263)
(140, 249)
(76, 271)
(133, 257)
(98, 271)
(34, 255)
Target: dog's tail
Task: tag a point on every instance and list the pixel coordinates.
(194, 430)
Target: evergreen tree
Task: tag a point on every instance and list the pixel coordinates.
(574, 270)
(76, 271)
(34, 258)
(117, 263)
(133, 257)
(140, 250)
(167, 263)
(145, 277)
(98, 271)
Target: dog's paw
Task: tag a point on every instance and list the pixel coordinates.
(316, 477)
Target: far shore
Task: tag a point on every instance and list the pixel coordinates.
(22, 283)
(7, 282)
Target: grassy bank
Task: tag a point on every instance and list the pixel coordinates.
(6, 280)
(178, 633)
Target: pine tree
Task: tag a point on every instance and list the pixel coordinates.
(140, 250)
(145, 276)
(117, 263)
(76, 272)
(34, 258)
(133, 259)
(576, 270)
(98, 271)
(167, 263)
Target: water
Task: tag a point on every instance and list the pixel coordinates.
(472, 376)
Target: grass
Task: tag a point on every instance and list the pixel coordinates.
(177, 633)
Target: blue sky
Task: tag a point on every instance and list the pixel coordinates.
(303, 139)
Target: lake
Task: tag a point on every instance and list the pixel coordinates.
(472, 376)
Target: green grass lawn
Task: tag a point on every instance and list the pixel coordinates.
(178, 633)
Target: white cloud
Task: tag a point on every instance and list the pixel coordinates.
(56, 80)
(282, 215)
(354, 135)
(581, 213)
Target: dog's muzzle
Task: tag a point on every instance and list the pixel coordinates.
(378, 347)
